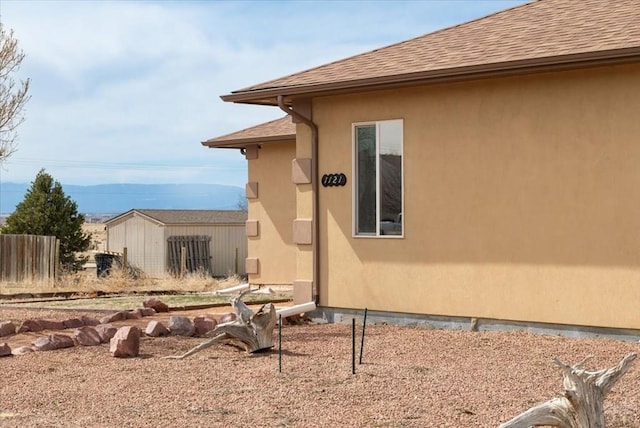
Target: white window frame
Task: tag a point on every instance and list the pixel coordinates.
(354, 181)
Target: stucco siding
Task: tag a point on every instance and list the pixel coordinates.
(275, 210)
(304, 205)
(521, 200)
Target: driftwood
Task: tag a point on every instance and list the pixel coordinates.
(582, 404)
(249, 331)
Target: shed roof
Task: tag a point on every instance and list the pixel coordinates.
(179, 217)
(275, 130)
(541, 35)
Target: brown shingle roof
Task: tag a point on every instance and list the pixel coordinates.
(544, 32)
(275, 130)
(174, 217)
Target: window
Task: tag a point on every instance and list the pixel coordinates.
(378, 188)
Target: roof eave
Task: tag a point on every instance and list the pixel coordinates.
(241, 143)
(132, 212)
(269, 96)
(119, 216)
(205, 224)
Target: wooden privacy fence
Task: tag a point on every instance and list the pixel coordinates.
(28, 258)
(195, 256)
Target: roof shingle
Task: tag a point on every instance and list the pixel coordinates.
(173, 217)
(275, 130)
(540, 29)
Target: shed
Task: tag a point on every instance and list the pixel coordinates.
(215, 240)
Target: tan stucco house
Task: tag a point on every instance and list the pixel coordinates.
(486, 171)
(271, 198)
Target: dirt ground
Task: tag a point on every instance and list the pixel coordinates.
(98, 234)
(410, 377)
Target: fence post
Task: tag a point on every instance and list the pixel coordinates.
(124, 259)
(56, 265)
(183, 261)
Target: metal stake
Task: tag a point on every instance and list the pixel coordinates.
(364, 325)
(280, 343)
(353, 346)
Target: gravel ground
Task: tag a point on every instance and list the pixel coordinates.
(410, 377)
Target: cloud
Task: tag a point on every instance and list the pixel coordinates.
(125, 91)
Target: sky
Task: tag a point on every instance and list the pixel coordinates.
(125, 91)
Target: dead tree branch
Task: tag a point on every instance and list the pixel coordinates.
(249, 331)
(582, 404)
(13, 96)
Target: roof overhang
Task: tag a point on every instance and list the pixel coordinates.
(269, 95)
(243, 143)
(132, 213)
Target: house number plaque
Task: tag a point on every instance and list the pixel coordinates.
(330, 180)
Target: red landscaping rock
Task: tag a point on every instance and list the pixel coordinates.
(52, 342)
(156, 329)
(22, 350)
(73, 323)
(89, 321)
(298, 319)
(51, 325)
(147, 312)
(106, 332)
(5, 350)
(29, 325)
(126, 342)
(228, 317)
(7, 328)
(117, 316)
(87, 336)
(133, 315)
(181, 326)
(204, 324)
(156, 305)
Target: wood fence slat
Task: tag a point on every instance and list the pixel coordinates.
(197, 253)
(28, 258)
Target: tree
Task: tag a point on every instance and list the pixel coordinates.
(46, 210)
(13, 96)
(242, 204)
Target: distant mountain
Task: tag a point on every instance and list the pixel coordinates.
(118, 198)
